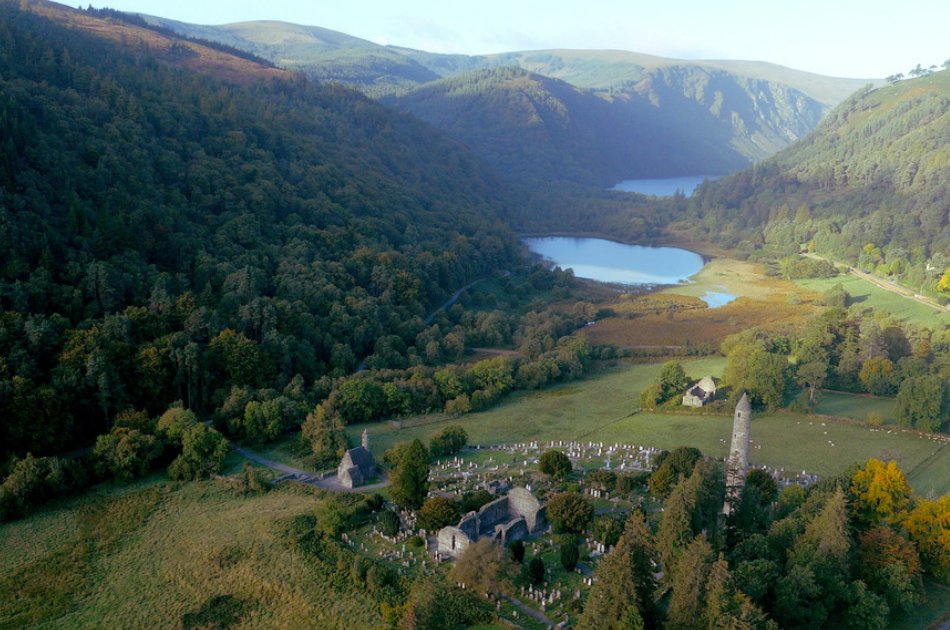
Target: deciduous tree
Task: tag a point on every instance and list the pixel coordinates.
(203, 453)
(570, 512)
(410, 479)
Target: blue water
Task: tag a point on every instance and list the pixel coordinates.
(715, 299)
(663, 187)
(617, 263)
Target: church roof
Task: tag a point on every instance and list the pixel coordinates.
(362, 459)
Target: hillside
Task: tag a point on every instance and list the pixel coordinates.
(676, 120)
(868, 186)
(168, 233)
(624, 114)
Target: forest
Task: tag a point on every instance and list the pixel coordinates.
(168, 235)
(867, 187)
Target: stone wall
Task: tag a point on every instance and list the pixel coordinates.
(453, 541)
(523, 503)
(492, 514)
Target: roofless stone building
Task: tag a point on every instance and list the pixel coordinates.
(515, 516)
(737, 465)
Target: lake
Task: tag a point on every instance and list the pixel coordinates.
(617, 263)
(663, 187)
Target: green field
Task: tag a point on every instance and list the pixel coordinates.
(865, 294)
(144, 555)
(601, 408)
(150, 553)
(856, 406)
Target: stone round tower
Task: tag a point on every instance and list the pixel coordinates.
(737, 465)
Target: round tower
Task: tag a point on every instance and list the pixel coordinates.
(364, 440)
(737, 465)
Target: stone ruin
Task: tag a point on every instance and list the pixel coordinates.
(737, 466)
(702, 392)
(515, 516)
(357, 466)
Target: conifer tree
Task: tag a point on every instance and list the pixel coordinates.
(622, 595)
(676, 524)
(686, 604)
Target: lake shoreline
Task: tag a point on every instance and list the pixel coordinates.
(707, 258)
(613, 262)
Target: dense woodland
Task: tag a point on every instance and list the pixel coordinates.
(848, 552)
(168, 235)
(868, 187)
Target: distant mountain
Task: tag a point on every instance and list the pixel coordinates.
(322, 54)
(870, 185)
(542, 129)
(623, 114)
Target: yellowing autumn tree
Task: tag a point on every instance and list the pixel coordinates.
(929, 527)
(944, 283)
(879, 492)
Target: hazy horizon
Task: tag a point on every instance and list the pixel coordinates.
(842, 39)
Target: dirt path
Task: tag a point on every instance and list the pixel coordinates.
(302, 476)
(887, 285)
(537, 615)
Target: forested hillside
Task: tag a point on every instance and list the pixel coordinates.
(167, 234)
(587, 116)
(676, 121)
(869, 186)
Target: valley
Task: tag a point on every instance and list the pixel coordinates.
(519, 393)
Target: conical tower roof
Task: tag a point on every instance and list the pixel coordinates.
(744, 405)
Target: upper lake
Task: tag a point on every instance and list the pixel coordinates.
(663, 187)
(617, 263)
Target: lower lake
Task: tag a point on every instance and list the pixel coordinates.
(663, 187)
(617, 263)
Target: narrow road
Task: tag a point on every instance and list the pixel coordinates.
(452, 300)
(899, 290)
(887, 285)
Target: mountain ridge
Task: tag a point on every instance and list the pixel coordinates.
(667, 117)
(870, 185)
(826, 89)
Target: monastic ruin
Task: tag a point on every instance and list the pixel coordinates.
(737, 465)
(700, 393)
(357, 466)
(515, 516)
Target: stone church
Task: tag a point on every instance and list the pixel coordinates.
(357, 466)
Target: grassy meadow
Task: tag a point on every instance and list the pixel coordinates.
(646, 320)
(865, 294)
(601, 408)
(856, 406)
(153, 554)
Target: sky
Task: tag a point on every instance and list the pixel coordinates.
(844, 38)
